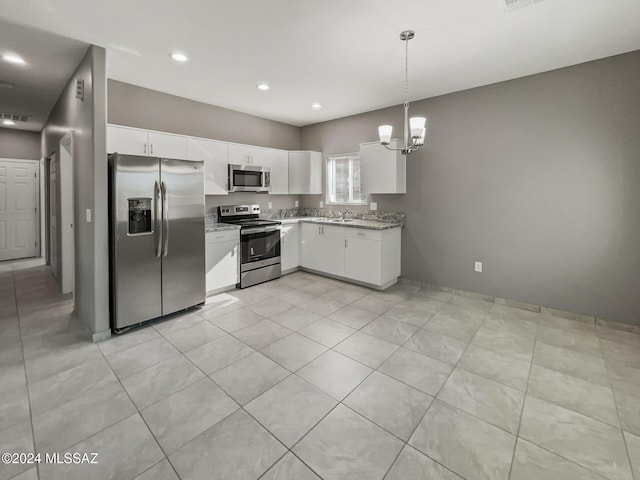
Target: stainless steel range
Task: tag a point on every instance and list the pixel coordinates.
(259, 243)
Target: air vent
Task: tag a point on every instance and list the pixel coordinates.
(6, 84)
(512, 5)
(16, 117)
(80, 89)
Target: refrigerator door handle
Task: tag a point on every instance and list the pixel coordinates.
(157, 210)
(165, 219)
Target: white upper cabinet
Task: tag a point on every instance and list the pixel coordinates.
(276, 160)
(244, 155)
(215, 156)
(382, 170)
(129, 141)
(135, 141)
(305, 172)
(167, 145)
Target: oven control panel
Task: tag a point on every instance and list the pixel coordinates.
(232, 210)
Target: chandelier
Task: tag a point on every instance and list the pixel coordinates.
(414, 128)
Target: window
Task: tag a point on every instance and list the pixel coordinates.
(343, 180)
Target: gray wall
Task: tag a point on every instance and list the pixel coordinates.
(536, 177)
(140, 107)
(88, 121)
(19, 144)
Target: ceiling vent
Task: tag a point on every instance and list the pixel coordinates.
(512, 5)
(6, 84)
(16, 117)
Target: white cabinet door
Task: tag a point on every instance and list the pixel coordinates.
(332, 239)
(278, 161)
(129, 141)
(323, 248)
(363, 261)
(244, 155)
(166, 145)
(223, 265)
(214, 155)
(382, 170)
(310, 246)
(305, 172)
(290, 247)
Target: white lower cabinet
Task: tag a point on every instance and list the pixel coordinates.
(223, 260)
(372, 256)
(322, 248)
(363, 255)
(290, 247)
(362, 260)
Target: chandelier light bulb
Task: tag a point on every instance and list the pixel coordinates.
(417, 126)
(384, 131)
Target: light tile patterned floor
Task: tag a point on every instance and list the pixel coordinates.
(308, 377)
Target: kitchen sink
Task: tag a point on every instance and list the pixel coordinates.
(341, 220)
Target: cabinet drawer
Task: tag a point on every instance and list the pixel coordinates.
(363, 233)
(223, 236)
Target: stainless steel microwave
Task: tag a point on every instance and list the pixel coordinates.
(249, 178)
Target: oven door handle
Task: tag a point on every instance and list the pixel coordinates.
(249, 231)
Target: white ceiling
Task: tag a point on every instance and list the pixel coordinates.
(51, 59)
(344, 54)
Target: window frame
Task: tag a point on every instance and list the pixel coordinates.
(331, 185)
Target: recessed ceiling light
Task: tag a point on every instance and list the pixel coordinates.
(8, 57)
(6, 121)
(179, 57)
(316, 106)
(263, 86)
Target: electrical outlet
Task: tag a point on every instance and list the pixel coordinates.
(321, 204)
(270, 205)
(373, 206)
(478, 267)
(296, 203)
(88, 215)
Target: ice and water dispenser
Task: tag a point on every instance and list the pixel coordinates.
(139, 216)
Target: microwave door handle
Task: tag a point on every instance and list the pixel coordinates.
(165, 219)
(157, 214)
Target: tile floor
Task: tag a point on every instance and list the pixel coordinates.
(307, 378)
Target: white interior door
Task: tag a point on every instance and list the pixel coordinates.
(18, 208)
(67, 227)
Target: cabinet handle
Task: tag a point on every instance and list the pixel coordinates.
(361, 234)
(345, 243)
(151, 149)
(145, 148)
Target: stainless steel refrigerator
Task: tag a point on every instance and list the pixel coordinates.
(157, 238)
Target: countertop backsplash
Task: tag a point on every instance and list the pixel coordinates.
(371, 215)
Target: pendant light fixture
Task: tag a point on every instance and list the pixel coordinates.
(414, 128)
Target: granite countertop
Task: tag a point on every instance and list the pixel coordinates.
(355, 223)
(218, 227)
